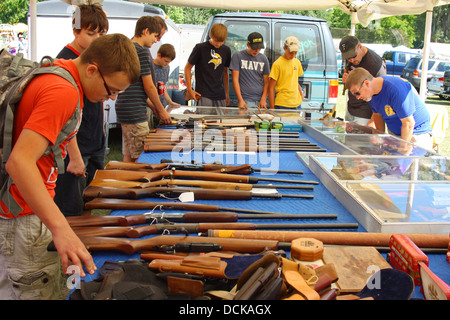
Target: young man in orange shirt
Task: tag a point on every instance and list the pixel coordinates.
(29, 271)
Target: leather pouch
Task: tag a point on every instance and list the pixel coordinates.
(261, 280)
(300, 280)
(193, 288)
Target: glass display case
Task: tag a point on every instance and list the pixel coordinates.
(390, 193)
(351, 138)
(332, 125)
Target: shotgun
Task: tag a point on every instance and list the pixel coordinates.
(210, 176)
(124, 204)
(130, 246)
(137, 232)
(92, 192)
(162, 147)
(168, 164)
(234, 138)
(224, 167)
(187, 132)
(188, 217)
(192, 183)
(151, 217)
(158, 228)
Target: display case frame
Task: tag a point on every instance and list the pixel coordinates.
(356, 194)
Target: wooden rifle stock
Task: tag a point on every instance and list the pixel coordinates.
(128, 175)
(137, 232)
(130, 220)
(130, 246)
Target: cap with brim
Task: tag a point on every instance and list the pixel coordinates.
(347, 46)
(255, 40)
(292, 44)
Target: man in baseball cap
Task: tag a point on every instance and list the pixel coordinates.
(250, 73)
(357, 55)
(255, 41)
(292, 44)
(284, 88)
(347, 46)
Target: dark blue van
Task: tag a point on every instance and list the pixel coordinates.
(317, 52)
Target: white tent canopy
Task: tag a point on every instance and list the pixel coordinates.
(366, 10)
(362, 11)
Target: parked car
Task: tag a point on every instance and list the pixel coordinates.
(317, 52)
(436, 84)
(396, 61)
(340, 64)
(413, 70)
(445, 93)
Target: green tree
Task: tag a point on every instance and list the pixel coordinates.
(13, 11)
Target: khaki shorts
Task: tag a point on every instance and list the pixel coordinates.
(133, 136)
(28, 270)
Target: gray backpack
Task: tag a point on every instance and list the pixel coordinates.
(15, 74)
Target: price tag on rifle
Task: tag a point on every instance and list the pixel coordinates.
(264, 191)
(187, 197)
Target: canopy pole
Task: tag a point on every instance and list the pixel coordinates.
(32, 31)
(426, 55)
(354, 21)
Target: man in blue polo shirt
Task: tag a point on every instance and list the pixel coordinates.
(396, 104)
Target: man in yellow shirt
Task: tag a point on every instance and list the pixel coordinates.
(284, 89)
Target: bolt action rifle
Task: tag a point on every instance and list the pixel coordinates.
(187, 228)
(174, 193)
(188, 217)
(141, 176)
(126, 204)
(155, 243)
(192, 183)
(167, 164)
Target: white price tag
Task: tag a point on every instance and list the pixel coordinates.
(186, 197)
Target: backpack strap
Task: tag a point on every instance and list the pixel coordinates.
(69, 126)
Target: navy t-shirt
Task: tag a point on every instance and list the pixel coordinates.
(210, 63)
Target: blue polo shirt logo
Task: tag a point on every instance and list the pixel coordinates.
(389, 111)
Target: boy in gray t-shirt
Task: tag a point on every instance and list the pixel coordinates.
(250, 73)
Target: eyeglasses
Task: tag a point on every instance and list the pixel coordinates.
(358, 93)
(110, 93)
